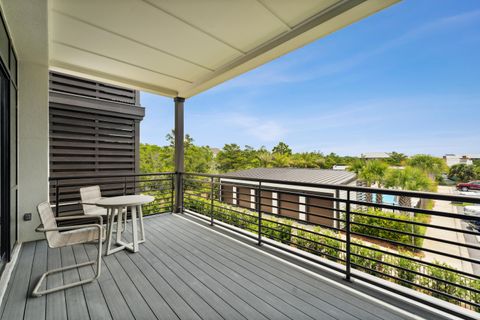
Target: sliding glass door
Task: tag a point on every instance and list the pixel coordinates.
(4, 168)
(8, 145)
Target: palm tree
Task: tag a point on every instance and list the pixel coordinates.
(409, 178)
(373, 172)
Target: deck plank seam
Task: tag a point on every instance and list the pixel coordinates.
(234, 252)
(279, 288)
(388, 309)
(188, 285)
(226, 288)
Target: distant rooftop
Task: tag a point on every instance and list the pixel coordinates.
(321, 176)
(375, 155)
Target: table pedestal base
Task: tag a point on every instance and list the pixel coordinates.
(121, 245)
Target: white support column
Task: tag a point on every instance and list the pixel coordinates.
(274, 203)
(252, 199)
(302, 208)
(234, 195)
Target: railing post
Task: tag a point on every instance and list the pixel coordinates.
(347, 239)
(56, 198)
(172, 198)
(178, 193)
(258, 203)
(211, 200)
(125, 185)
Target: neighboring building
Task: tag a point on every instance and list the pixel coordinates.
(453, 159)
(215, 151)
(284, 199)
(375, 155)
(94, 130)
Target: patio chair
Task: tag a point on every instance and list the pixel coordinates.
(69, 236)
(89, 196)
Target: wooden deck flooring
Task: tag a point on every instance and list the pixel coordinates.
(183, 271)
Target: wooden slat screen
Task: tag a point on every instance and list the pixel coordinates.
(88, 143)
(92, 132)
(89, 88)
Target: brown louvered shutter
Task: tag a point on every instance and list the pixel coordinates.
(94, 130)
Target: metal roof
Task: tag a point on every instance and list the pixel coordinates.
(182, 48)
(321, 176)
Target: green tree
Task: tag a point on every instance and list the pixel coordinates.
(357, 166)
(433, 166)
(409, 178)
(155, 158)
(281, 160)
(264, 157)
(282, 148)
(397, 158)
(231, 158)
(463, 173)
(373, 172)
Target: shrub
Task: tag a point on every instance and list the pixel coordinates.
(441, 285)
(367, 259)
(409, 265)
(277, 231)
(376, 219)
(328, 244)
(319, 242)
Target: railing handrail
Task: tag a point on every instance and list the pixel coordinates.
(120, 175)
(408, 193)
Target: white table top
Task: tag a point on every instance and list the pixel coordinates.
(124, 201)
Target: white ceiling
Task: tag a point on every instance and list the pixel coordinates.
(184, 47)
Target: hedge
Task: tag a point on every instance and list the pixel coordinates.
(329, 244)
(372, 220)
(241, 218)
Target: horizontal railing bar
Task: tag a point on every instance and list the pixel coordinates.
(412, 194)
(425, 275)
(418, 248)
(109, 176)
(418, 285)
(471, 246)
(415, 210)
(417, 223)
(422, 262)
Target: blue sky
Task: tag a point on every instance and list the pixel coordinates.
(406, 79)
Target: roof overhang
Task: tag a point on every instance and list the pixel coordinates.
(182, 48)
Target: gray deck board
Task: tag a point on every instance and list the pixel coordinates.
(290, 294)
(75, 298)
(282, 274)
(34, 307)
(15, 304)
(262, 307)
(182, 271)
(97, 306)
(258, 290)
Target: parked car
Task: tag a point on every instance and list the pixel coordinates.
(475, 212)
(472, 185)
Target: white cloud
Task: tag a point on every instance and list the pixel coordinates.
(266, 130)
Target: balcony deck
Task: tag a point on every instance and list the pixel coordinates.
(183, 271)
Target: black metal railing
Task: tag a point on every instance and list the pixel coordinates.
(417, 246)
(65, 191)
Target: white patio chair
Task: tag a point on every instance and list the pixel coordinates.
(89, 196)
(69, 236)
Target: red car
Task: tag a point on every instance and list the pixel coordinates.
(472, 185)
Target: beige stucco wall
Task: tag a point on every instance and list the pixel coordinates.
(33, 145)
(27, 22)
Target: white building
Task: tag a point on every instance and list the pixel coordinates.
(453, 159)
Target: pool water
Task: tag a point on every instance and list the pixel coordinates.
(387, 199)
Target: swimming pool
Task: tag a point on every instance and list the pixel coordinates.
(386, 199)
